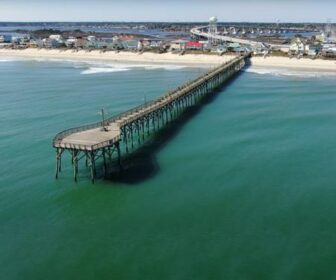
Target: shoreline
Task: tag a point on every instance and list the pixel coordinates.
(192, 60)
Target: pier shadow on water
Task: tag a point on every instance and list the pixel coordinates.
(141, 164)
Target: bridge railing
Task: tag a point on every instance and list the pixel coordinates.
(174, 94)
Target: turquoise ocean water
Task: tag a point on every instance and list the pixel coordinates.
(243, 187)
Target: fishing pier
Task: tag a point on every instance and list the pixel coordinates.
(107, 139)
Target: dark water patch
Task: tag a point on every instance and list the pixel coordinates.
(142, 164)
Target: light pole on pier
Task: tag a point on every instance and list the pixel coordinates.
(102, 113)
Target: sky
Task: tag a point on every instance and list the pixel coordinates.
(169, 10)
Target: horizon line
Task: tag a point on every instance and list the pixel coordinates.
(157, 21)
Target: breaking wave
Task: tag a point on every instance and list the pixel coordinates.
(159, 66)
(95, 67)
(289, 73)
(98, 70)
(7, 60)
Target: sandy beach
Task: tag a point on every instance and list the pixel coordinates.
(189, 59)
(304, 64)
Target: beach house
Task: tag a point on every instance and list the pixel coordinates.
(313, 49)
(54, 41)
(329, 50)
(177, 45)
(5, 38)
(5, 41)
(130, 44)
(91, 42)
(70, 42)
(20, 41)
(80, 42)
(297, 47)
(194, 45)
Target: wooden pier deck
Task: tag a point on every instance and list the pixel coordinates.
(103, 139)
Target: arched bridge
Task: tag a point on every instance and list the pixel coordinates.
(222, 38)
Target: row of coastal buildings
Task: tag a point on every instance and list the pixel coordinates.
(82, 42)
(120, 42)
(317, 46)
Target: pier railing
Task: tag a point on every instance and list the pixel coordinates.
(119, 116)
